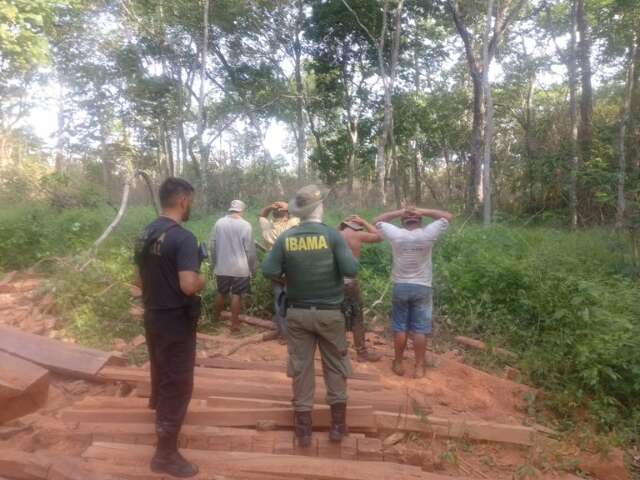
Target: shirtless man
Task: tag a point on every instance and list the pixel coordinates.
(356, 231)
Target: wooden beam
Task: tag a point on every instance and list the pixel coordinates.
(457, 428)
(241, 465)
(24, 387)
(240, 402)
(230, 364)
(359, 417)
(268, 379)
(21, 465)
(206, 387)
(65, 358)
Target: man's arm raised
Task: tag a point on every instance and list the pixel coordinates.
(264, 213)
(371, 235)
(435, 214)
(388, 216)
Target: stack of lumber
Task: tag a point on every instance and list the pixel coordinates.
(24, 387)
(265, 385)
(121, 461)
(25, 362)
(243, 394)
(56, 356)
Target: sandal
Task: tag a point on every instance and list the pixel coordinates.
(418, 372)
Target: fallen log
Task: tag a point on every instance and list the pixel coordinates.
(457, 428)
(480, 345)
(255, 321)
(264, 337)
(24, 387)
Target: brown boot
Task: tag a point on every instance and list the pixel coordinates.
(303, 428)
(338, 422)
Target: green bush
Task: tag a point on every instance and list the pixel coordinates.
(565, 301)
(568, 303)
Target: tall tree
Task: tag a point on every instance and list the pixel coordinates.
(505, 14)
(387, 70)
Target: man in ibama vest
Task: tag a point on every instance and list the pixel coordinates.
(314, 258)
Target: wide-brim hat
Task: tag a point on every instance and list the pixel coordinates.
(352, 225)
(307, 199)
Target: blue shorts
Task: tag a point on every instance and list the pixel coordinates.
(411, 308)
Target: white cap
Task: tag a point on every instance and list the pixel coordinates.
(237, 206)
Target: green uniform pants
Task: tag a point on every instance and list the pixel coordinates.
(305, 330)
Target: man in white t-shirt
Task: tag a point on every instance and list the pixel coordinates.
(412, 274)
(233, 257)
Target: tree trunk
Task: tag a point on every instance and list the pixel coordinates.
(61, 133)
(626, 111)
(352, 135)
(202, 120)
(477, 125)
(417, 166)
(528, 138)
(586, 99)
(301, 140)
(488, 125)
(573, 107)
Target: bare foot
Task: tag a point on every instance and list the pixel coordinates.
(398, 368)
(419, 371)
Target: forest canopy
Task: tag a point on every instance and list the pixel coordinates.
(522, 107)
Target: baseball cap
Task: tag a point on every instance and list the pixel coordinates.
(237, 206)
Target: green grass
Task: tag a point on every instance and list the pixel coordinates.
(568, 303)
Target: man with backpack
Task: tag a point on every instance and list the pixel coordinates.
(168, 260)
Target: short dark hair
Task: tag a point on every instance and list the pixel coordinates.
(171, 189)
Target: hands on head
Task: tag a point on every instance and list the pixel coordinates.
(356, 219)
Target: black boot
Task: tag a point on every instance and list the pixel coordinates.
(303, 428)
(168, 460)
(338, 422)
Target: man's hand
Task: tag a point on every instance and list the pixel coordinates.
(280, 206)
(413, 211)
(356, 219)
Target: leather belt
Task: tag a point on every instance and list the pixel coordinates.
(314, 307)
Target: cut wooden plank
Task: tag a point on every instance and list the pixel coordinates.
(20, 465)
(98, 402)
(238, 464)
(359, 417)
(75, 469)
(230, 364)
(199, 437)
(239, 402)
(24, 387)
(64, 358)
(207, 387)
(268, 379)
(480, 345)
(458, 428)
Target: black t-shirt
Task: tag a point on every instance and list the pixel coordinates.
(175, 250)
